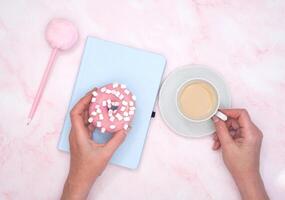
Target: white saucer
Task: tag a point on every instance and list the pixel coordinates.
(167, 96)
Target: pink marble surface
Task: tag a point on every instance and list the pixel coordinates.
(244, 40)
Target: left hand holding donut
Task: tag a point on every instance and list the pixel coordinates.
(88, 159)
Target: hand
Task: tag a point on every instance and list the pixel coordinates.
(87, 158)
(240, 141)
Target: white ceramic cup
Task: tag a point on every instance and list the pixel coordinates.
(215, 112)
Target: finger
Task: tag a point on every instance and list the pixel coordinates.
(241, 115)
(117, 139)
(216, 145)
(236, 136)
(91, 128)
(97, 145)
(228, 123)
(222, 132)
(243, 119)
(129, 129)
(85, 117)
(215, 137)
(77, 112)
(232, 133)
(232, 123)
(82, 104)
(235, 124)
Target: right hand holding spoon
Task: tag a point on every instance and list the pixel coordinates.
(240, 141)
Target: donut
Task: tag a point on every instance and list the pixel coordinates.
(112, 108)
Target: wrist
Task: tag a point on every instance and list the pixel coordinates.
(242, 178)
(251, 186)
(75, 189)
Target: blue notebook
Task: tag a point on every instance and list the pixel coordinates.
(105, 62)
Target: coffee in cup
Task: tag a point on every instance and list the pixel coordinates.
(198, 100)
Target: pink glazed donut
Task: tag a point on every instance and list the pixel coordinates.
(112, 108)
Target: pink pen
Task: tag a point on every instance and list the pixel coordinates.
(61, 35)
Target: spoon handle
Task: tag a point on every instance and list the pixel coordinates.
(42, 85)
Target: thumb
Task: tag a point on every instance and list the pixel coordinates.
(117, 139)
(222, 131)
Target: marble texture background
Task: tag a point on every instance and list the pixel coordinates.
(243, 40)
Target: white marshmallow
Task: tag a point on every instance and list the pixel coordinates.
(98, 124)
(131, 112)
(98, 110)
(119, 117)
(103, 89)
(101, 117)
(104, 103)
(93, 113)
(126, 114)
(132, 108)
(121, 97)
(131, 103)
(127, 91)
(110, 112)
(112, 118)
(123, 86)
(108, 91)
(117, 94)
(115, 85)
(116, 104)
(93, 100)
(124, 103)
(94, 93)
(90, 119)
(123, 108)
(103, 130)
(112, 126)
(109, 101)
(127, 119)
(126, 126)
(134, 97)
(97, 106)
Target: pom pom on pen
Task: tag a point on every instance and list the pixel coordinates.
(61, 35)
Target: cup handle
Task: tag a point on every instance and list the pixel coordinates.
(221, 115)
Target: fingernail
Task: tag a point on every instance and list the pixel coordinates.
(127, 131)
(129, 128)
(215, 119)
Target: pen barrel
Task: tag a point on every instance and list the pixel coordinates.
(43, 83)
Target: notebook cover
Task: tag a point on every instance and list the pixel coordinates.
(105, 62)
